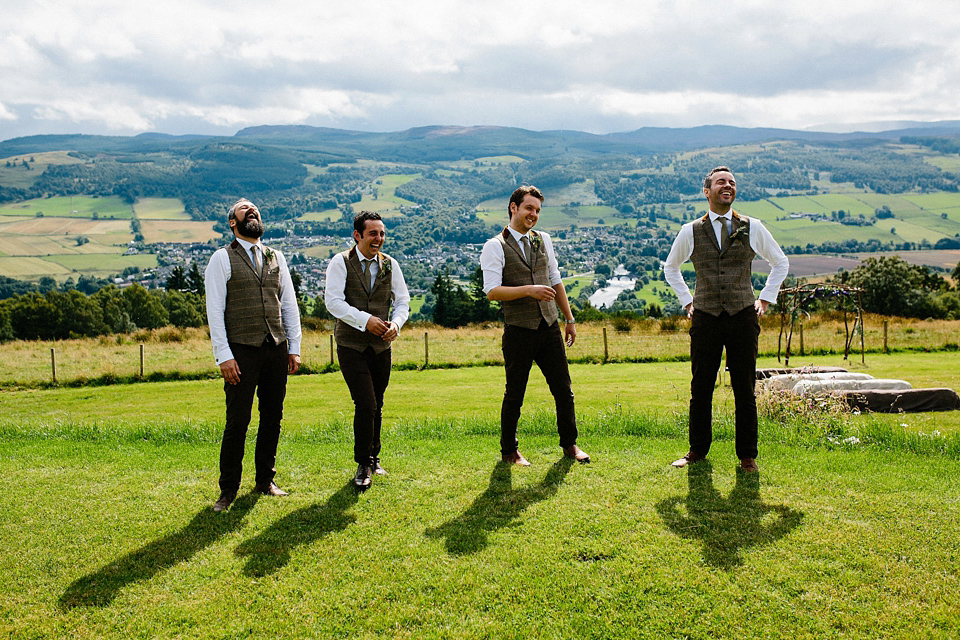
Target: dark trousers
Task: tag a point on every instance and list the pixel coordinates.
(521, 348)
(262, 369)
(367, 375)
(709, 335)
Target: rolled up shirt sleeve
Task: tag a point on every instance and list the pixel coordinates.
(680, 252)
(553, 267)
(401, 296)
(765, 246)
(289, 309)
(215, 279)
(491, 263)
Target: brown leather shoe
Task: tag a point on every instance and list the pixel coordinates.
(363, 478)
(689, 458)
(578, 454)
(269, 489)
(377, 469)
(515, 458)
(223, 502)
(749, 465)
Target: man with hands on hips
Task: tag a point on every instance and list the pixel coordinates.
(723, 311)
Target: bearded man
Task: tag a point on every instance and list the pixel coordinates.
(255, 329)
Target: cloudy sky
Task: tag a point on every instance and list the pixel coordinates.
(215, 66)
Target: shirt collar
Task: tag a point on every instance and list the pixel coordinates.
(517, 235)
(714, 216)
(246, 245)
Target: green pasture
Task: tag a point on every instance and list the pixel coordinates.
(946, 163)
(71, 207)
(104, 264)
(422, 394)
(321, 216)
(29, 268)
(160, 209)
(485, 162)
(19, 177)
(574, 284)
(851, 528)
(386, 201)
(556, 217)
(582, 192)
(917, 217)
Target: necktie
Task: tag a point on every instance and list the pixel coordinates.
(724, 232)
(256, 259)
(365, 265)
(525, 245)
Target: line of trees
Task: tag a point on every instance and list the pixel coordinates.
(57, 315)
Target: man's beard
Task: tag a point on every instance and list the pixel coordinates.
(250, 227)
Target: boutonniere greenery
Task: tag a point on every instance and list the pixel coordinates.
(268, 253)
(387, 266)
(743, 231)
(536, 241)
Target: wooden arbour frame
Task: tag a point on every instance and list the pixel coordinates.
(792, 301)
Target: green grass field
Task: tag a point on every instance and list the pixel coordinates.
(160, 209)
(917, 217)
(71, 207)
(109, 533)
(553, 217)
(19, 177)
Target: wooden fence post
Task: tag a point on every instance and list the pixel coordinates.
(885, 350)
(141, 361)
(331, 349)
(426, 349)
(606, 352)
(801, 338)
(53, 363)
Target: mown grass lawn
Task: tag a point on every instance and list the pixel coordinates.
(117, 539)
(109, 531)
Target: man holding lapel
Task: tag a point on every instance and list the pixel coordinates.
(255, 329)
(361, 285)
(723, 310)
(520, 270)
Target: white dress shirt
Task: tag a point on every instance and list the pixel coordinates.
(761, 242)
(217, 274)
(335, 299)
(492, 260)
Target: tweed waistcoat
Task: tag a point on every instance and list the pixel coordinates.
(253, 301)
(374, 301)
(723, 277)
(517, 271)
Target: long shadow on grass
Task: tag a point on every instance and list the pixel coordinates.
(726, 526)
(100, 588)
(497, 507)
(270, 550)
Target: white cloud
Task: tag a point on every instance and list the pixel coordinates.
(115, 66)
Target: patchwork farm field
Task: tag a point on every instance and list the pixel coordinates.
(87, 235)
(916, 217)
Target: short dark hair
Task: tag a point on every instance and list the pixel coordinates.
(360, 220)
(523, 192)
(708, 181)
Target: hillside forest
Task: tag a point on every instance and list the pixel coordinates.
(109, 234)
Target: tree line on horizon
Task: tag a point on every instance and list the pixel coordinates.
(890, 287)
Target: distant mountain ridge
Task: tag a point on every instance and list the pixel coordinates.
(449, 142)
